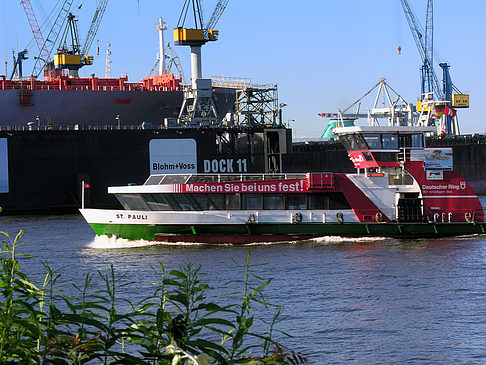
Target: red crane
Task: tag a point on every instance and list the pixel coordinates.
(39, 39)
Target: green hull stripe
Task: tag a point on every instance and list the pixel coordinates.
(149, 232)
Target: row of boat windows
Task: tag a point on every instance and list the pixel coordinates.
(200, 202)
(381, 156)
(381, 141)
(213, 178)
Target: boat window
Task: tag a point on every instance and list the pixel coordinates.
(344, 140)
(182, 202)
(193, 200)
(389, 141)
(296, 201)
(273, 201)
(203, 179)
(154, 180)
(373, 141)
(217, 201)
(175, 179)
(276, 177)
(405, 140)
(417, 140)
(230, 177)
(353, 142)
(400, 178)
(132, 201)
(172, 202)
(357, 142)
(318, 201)
(252, 201)
(338, 201)
(367, 156)
(233, 201)
(209, 201)
(252, 177)
(157, 201)
(386, 156)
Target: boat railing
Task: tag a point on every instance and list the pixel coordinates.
(217, 178)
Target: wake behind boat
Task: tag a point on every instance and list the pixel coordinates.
(400, 189)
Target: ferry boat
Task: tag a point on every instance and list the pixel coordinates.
(399, 189)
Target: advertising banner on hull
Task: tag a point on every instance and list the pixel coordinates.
(3, 165)
(438, 159)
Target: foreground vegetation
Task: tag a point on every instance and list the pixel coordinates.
(176, 324)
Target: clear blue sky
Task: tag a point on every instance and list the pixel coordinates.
(322, 54)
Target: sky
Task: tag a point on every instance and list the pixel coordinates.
(322, 54)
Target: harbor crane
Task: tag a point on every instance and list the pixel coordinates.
(95, 24)
(17, 64)
(68, 58)
(429, 82)
(199, 35)
(198, 106)
(425, 46)
(52, 37)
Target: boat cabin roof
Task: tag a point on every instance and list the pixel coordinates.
(162, 179)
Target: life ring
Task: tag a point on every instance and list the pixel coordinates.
(379, 217)
(469, 218)
(251, 218)
(339, 217)
(298, 217)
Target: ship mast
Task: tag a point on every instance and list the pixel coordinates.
(108, 62)
(161, 26)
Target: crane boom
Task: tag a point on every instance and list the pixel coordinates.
(415, 27)
(53, 36)
(218, 11)
(34, 25)
(424, 42)
(95, 24)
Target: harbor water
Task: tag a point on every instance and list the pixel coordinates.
(353, 301)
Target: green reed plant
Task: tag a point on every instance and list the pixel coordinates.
(19, 322)
(177, 323)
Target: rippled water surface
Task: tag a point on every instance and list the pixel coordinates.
(361, 301)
